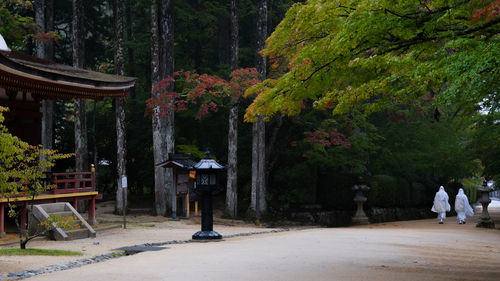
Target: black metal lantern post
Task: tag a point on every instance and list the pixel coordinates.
(206, 182)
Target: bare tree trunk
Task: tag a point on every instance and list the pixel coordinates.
(39, 6)
(81, 146)
(261, 179)
(259, 204)
(232, 161)
(47, 106)
(255, 162)
(232, 138)
(158, 138)
(47, 123)
(120, 104)
(130, 50)
(261, 38)
(49, 26)
(44, 20)
(167, 70)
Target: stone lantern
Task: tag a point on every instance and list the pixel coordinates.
(484, 198)
(206, 181)
(360, 216)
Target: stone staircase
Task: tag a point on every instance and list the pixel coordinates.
(42, 212)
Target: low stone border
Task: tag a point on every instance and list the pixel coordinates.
(97, 259)
(59, 267)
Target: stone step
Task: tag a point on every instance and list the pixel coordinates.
(78, 234)
(82, 230)
(62, 214)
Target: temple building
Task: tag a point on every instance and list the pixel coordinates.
(25, 81)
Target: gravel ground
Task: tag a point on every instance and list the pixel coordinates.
(141, 228)
(411, 250)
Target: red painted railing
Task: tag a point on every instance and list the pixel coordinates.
(73, 182)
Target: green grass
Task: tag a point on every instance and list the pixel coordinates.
(36, 252)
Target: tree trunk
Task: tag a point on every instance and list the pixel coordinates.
(130, 50)
(232, 138)
(48, 106)
(39, 6)
(261, 179)
(48, 123)
(234, 35)
(81, 146)
(258, 197)
(158, 138)
(261, 38)
(44, 19)
(255, 162)
(167, 70)
(49, 26)
(120, 104)
(232, 161)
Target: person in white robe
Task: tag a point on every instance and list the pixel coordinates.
(462, 207)
(441, 205)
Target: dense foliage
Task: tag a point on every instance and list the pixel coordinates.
(417, 72)
(375, 55)
(405, 81)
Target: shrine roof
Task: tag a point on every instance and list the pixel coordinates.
(59, 80)
(182, 161)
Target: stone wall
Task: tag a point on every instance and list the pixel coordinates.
(399, 214)
(376, 215)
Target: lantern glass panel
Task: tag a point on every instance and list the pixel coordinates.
(213, 179)
(203, 179)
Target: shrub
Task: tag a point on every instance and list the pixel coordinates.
(384, 191)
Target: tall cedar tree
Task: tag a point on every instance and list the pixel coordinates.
(81, 146)
(258, 196)
(163, 196)
(44, 18)
(167, 70)
(232, 137)
(120, 105)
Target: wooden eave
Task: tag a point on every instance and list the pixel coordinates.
(48, 80)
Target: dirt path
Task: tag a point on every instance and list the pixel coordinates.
(141, 228)
(404, 251)
(410, 250)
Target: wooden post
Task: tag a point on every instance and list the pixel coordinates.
(92, 177)
(2, 220)
(187, 205)
(92, 220)
(174, 194)
(124, 205)
(24, 216)
(75, 203)
(196, 208)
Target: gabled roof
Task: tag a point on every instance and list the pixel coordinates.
(208, 164)
(181, 161)
(21, 72)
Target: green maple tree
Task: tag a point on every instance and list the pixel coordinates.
(22, 168)
(376, 55)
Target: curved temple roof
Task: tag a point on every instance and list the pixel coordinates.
(21, 72)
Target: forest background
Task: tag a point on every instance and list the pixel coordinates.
(403, 152)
